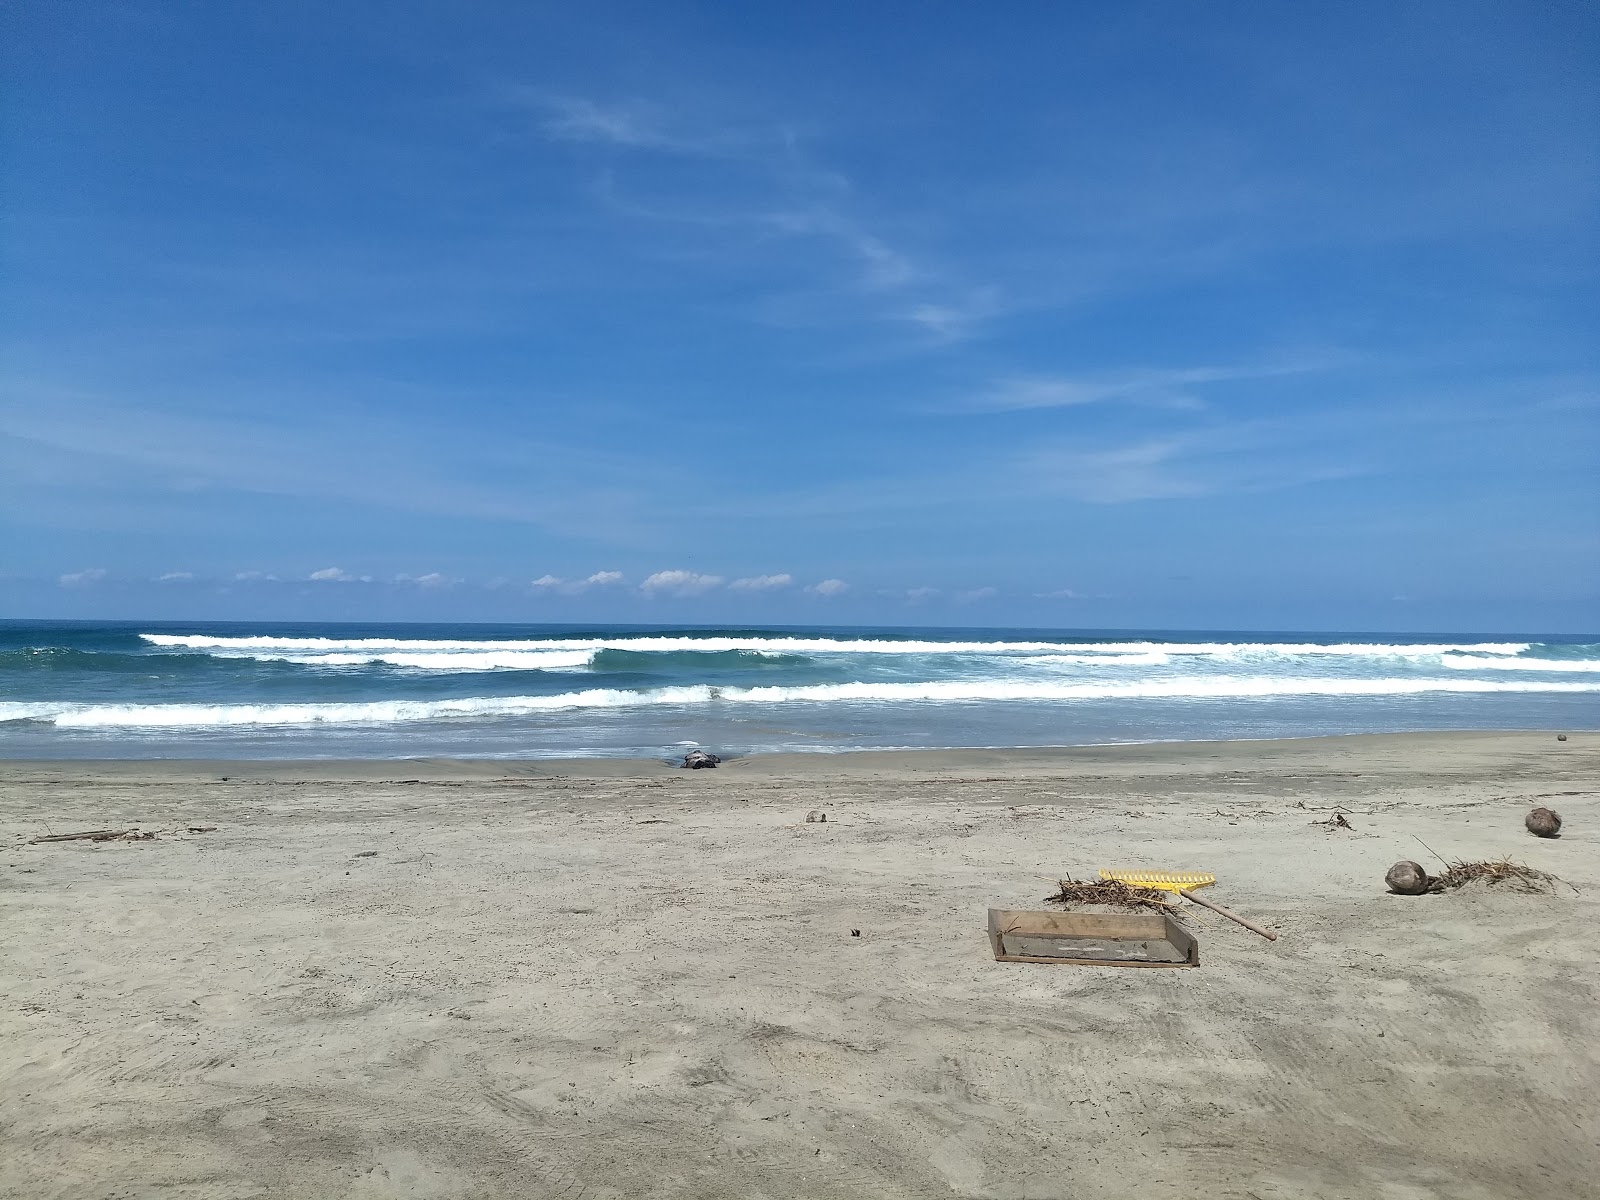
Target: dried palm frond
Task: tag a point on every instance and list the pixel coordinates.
(1112, 892)
(1521, 877)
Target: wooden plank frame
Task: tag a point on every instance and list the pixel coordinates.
(1091, 939)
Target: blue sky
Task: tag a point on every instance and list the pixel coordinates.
(1171, 315)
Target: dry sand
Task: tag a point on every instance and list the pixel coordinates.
(619, 980)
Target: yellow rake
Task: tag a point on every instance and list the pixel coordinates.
(1182, 883)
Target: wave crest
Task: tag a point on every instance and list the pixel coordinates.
(1475, 662)
(80, 716)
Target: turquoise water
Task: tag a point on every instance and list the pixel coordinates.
(143, 690)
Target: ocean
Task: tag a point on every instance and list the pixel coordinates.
(199, 690)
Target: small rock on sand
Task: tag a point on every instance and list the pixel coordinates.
(816, 817)
(697, 759)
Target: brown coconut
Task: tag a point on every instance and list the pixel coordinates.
(1544, 822)
(1407, 878)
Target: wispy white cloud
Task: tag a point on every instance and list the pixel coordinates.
(581, 120)
(679, 583)
(952, 320)
(977, 595)
(629, 126)
(324, 451)
(882, 267)
(1163, 386)
(176, 577)
(1151, 469)
(768, 186)
(572, 587)
(83, 578)
(337, 575)
(829, 587)
(254, 577)
(1060, 594)
(432, 580)
(920, 595)
(1252, 457)
(762, 583)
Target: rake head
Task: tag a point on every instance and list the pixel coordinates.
(1167, 881)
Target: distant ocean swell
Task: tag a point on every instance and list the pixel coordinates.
(353, 651)
(68, 689)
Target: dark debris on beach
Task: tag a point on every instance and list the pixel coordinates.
(1518, 876)
(1111, 892)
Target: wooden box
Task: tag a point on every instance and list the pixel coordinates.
(1091, 939)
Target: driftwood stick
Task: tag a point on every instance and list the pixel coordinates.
(1269, 934)
(107, 834)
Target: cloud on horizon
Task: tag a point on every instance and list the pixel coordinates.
(337, 575)
(83, 578)
(762, 583)
(829, 587)
(573, 587)
(679, 583)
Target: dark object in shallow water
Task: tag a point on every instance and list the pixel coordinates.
(1407, 878)
(696, 759)
(1544, 822)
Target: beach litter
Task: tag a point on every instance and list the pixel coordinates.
(1544, 822)
(1518, 876)
(1336, 821)
(1407, 878)
(1139, 939)
(1403, 877)
(1183, 883)
(96, 835)
(1110, 892)
(816, 817)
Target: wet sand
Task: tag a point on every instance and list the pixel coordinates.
(446, 979)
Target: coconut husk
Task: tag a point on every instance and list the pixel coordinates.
(1111, 892)
(1518, 877)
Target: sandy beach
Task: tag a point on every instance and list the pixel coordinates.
(616, 979)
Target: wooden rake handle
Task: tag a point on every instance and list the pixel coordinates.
(1269, 934)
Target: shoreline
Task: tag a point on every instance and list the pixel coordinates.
(480, 979)
(803, 763)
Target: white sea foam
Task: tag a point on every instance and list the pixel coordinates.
(483, 660)
(1474, 662)
(1153, 659)
(325, 649)
(385, 712)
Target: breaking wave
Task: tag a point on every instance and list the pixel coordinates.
(385, 712)
(1474, 662)
(628, 652)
